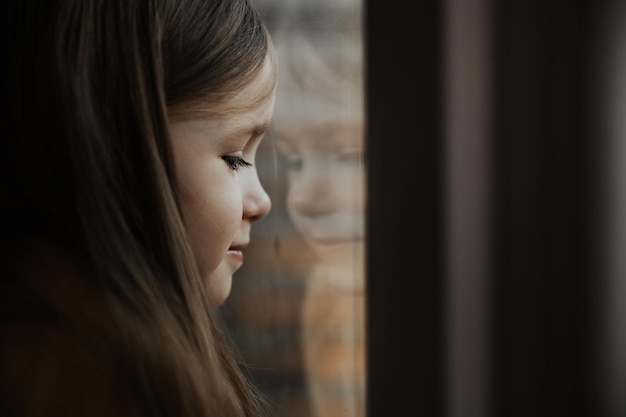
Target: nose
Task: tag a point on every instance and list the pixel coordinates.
(256, 202)
(311, 192)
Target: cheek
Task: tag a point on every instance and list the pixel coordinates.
(212, 209)
(340, 188)
(358, 188)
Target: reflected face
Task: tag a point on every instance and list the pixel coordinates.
(318, 130)
(220, 191)
(325, 175)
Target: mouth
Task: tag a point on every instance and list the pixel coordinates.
(330, 246)
(332, 242)
(235, 251)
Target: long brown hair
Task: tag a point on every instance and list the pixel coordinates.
(85, 159)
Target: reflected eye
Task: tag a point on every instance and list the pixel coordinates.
(235, 162)
(351, 157)
(293, 163)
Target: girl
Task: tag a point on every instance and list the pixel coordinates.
(127, 196)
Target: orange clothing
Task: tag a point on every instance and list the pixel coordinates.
(333, 326)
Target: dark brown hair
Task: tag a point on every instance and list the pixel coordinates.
(85, 159)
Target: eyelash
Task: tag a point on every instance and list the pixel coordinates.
(236, 162)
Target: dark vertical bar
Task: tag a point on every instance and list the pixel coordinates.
(405, 369)
(542, 303)
(608, 103)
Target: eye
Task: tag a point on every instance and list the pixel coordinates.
(293, 163)
(235, 162)
(351, 157)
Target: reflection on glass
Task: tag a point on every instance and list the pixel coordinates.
(297, 310)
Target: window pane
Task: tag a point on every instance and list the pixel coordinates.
(296, 309)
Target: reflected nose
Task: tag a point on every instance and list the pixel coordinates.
(257, 202)
(311, 193)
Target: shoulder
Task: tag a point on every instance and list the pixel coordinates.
(55, 356)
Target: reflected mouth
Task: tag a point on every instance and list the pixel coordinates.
(334, 241)
(327, 245)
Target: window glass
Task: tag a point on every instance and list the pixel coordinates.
(296, 310)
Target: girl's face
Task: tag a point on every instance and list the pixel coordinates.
(325, 178)
(319, 131)
(220, 190)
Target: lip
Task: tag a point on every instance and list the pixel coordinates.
(235, 251)
(329, 241)
(326, 245)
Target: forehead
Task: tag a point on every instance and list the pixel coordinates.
(296, 109)
(319, 138)
(258, 93)
(321, 83)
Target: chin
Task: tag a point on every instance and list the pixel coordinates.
(219, 286)
(345, 251)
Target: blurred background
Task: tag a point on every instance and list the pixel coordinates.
(493, 195)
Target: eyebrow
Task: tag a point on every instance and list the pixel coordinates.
(249, 132)
(258, 129)
(253, 131)
(345, 138)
